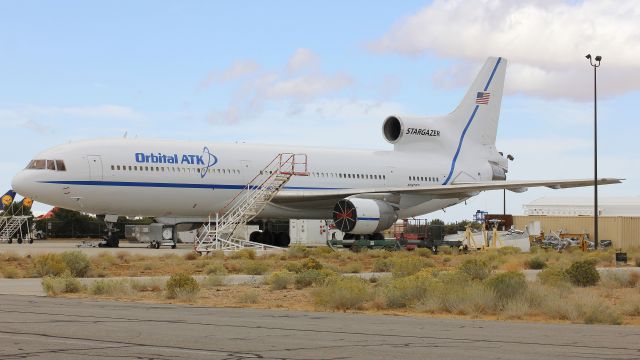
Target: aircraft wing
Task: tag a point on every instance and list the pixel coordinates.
(459, 190)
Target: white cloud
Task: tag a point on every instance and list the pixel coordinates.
(303, 59)
(546, 41)
(237, 70)
(299, 82)
(307, 86)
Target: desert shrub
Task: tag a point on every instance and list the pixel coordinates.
(233, 266)
(476, 269)
(48, 264)
(407, 291)
(554, 276)
(147, 285)
(77, 262)
(111, 287)
(321, 251)
(507, 285)
(297, 252)
(508, 250)
(596, 311)
(9, 272)
(181, 284)
(311, 277)
(637, 261)
(255, 267)
(215, 268)
(54, 285)
(445, 249)
(456, 293)
(382, 265)
(476, 299)
(353, 268)
(293, 266)
(535, 263)
(249, 297)
(583, 273)
(515, 308)
(446, 259)
(616, 279)
(342, 293)
(280, 280)
(630, 306)
(213, 280)
(424, 252)
(245, 253)
(311, 264)
(559, 308)
(10, 256)
(190, 256)
(408, 265)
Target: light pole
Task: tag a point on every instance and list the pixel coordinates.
(595, 66)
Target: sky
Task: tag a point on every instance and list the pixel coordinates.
(325, 73)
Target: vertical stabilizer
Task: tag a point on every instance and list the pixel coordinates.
(479, 110)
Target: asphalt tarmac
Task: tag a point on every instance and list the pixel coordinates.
(53, 328)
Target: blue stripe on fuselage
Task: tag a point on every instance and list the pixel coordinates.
(171, 185)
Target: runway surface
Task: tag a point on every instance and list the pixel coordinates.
(50, 328)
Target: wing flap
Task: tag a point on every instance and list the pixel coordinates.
(454, 190)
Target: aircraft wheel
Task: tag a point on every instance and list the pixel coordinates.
(377, 236)
(174, 246)
(256, 236)
(285, 240)
(267, 238)
(9, 241)
(19, 241)
(30, 241)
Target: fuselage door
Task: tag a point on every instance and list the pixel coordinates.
(95, 167)
(247, 171)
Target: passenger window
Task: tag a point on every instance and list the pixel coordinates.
(146, 168)
(152, 168)
(113, 167)
(118, 167)
(135, 168)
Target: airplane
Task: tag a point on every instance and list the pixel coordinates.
(436, 162)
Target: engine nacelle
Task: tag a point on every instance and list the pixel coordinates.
(363, 216)
(412, 131)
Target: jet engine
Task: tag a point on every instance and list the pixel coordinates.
(363, 216)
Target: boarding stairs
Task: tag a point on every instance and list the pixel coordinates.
(247, 204)
(12, 225)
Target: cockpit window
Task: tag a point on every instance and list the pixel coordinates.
(55, 165)
(60, 165)
(37, 164)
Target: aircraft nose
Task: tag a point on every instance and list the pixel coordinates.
(20, 184)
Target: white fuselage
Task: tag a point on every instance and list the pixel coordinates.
(179, 179)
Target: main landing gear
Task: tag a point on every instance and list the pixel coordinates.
(111, 239)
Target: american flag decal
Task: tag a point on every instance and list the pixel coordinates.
(483, 98)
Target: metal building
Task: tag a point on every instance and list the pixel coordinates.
(619, 219)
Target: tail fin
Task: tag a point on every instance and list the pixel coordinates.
(479, 110)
